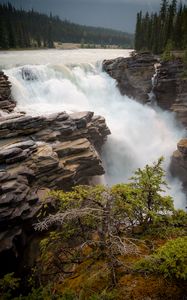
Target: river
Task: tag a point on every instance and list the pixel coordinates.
(73, 80)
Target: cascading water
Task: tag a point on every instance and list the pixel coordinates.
(140, 134)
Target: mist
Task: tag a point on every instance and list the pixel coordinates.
(140, 134)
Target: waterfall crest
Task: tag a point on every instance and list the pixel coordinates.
(140, 133)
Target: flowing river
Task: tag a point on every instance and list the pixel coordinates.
(50, 81)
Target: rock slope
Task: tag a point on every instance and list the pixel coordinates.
(39, 153)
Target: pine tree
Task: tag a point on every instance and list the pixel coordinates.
(4, 40)
(155, 32)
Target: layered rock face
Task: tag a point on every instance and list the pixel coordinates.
(171, 94)
(133, 74)
(7, 104)
(134, 78)
(171, 89)
(179, 162)
(40, 153)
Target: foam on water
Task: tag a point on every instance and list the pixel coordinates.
(140, 134)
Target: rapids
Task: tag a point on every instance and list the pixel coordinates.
(140, 133)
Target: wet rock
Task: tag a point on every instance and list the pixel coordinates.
(72, 147)
(133, 74)
(56, 152)
(81, 118)
(179, 162)
(7, 104)
(171, 89)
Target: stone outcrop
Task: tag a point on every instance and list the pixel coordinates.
(7, 104)
(171, 88)
(171, 94)
(133, 74)
(179, 162)
(37, 154)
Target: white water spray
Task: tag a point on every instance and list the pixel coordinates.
(140, 134)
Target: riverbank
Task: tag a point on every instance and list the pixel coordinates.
(68, 46)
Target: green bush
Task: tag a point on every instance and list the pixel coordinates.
(8, 284)
(169, 260)
(167, 54)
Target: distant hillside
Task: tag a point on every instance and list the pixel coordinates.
(24, 29)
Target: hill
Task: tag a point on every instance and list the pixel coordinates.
(25, 29)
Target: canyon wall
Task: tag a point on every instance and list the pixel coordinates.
(142, 74)
(37, 154)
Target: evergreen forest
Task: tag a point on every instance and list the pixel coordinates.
(168, 28)
(25, 29)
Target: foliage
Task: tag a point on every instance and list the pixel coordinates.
(8, 284)
(104, 295)
(141, 200)
(95, 222)
(99, 232)
(167, 54)
(155, 30)
(169, 260)
(23, 29)
(90, 213)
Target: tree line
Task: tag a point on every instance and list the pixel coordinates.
(155, 31)
(24, 29)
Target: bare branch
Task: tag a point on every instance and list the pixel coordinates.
(66, 216)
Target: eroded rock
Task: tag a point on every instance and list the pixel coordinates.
(38, 153)
(7, 104)
(133, 74)
(179, 162)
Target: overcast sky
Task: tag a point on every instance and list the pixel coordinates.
(116, 14)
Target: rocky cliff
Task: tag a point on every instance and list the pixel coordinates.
(7, 104)
(179, 162)
(171, 88)
(37, 154)
(133, 74)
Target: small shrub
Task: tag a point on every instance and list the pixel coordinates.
(169, 260)
(8, 284)
(104, 295)
(167, 54)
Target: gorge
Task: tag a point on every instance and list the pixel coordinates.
(43, 147)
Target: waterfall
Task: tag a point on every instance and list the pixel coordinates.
(140, 133)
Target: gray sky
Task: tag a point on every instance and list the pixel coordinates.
(116, 14)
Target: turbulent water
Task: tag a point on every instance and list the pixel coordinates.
(73, 81)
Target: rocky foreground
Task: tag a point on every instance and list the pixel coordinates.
(141, 74)
(38, 153)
